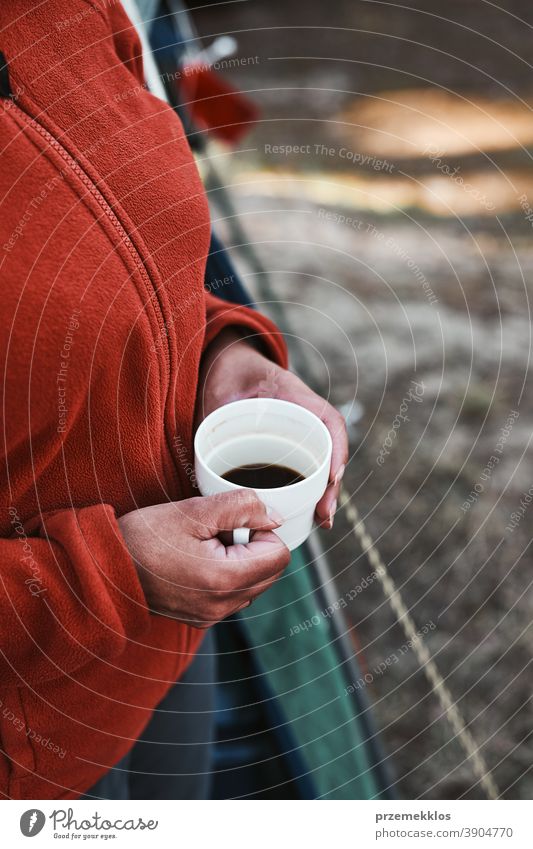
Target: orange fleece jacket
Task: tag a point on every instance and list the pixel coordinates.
(104, 230)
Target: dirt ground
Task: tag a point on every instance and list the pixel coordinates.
(398, 238)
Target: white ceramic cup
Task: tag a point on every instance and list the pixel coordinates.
(267, 430)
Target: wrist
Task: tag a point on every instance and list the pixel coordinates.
(231, 353)
(127, 525)
(233, 369)
(229, 339)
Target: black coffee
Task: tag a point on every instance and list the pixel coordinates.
(259, 476)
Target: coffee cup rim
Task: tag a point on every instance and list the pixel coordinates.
(279, 403)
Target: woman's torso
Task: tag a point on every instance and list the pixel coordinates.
(104, 231)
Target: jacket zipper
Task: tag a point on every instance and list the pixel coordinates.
(109, 212)
(125, 239)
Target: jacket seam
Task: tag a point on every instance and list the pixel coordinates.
(94, 192)
(144, 293)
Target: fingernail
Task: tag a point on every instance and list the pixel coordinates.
(339, 475)
(274, 515)
(332, 513)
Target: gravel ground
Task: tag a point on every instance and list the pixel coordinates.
(409, 290)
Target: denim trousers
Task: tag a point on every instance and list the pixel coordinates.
(172, 758)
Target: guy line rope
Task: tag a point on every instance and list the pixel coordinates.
(427, 664)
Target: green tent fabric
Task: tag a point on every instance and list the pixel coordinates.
(292, 643)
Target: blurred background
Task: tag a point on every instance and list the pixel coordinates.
(380, 194)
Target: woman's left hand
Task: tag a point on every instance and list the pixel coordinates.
(233, 369)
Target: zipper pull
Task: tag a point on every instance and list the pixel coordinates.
(5, 86)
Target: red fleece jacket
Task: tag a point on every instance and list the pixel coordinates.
(104, 231)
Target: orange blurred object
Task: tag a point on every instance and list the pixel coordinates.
(215, 105)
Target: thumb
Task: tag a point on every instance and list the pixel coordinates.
(229, 510)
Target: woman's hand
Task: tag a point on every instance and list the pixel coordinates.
(186, 571)
(233, 369)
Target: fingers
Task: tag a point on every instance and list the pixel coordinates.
(335, 423)
(242, 575)
(187, 573)
(327, 507)
(261, 561)
(226, 511)
(247, 596)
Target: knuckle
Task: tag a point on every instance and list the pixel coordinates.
(251, 505)
(194, 505)
(197, 511)
(245, 497)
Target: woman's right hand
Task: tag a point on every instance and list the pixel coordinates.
(185, 570)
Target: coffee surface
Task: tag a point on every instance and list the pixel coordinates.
(263, 476)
